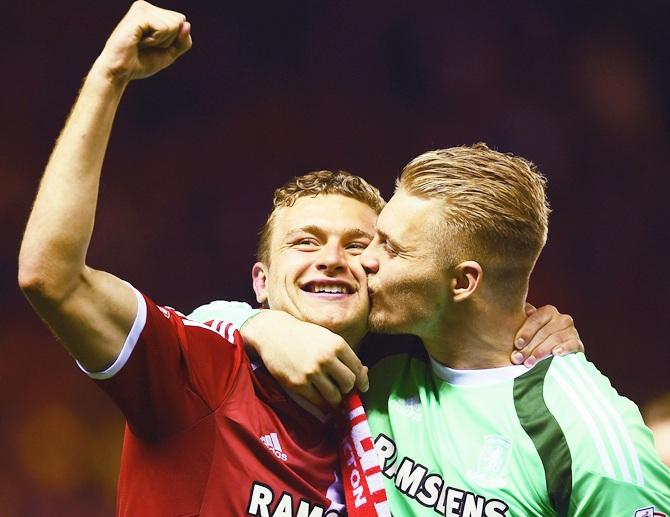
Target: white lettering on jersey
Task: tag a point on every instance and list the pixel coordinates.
(409, 477)
(429, 489)
(262, 503)
(260, 499)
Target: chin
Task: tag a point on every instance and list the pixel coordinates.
(332, 324)
(380, 324)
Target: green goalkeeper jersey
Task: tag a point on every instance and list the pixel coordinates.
(554, 440)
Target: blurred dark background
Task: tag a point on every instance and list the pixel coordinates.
(275, 89)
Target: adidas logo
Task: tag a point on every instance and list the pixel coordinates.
(271, 441)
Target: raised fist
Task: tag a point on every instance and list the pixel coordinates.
(144, 42)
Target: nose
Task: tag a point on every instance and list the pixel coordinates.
(369, 259)
(332, 258)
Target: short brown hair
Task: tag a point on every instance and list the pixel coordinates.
(314, 184)
(495, 203)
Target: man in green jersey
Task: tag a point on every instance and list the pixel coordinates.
(460, 430)
(464, 432)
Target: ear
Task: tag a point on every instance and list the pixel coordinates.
(467, 278)
(259, 277)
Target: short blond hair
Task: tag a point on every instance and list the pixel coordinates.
(495, 204)
(314, 184)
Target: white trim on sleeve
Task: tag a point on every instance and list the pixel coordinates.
(128, 346)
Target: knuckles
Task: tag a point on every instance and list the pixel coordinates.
(566, 320)
(551, 309)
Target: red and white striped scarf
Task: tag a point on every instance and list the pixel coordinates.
(362, 477)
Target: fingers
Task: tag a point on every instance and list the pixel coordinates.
(184, 41)
(146, 40)
(353, 364)
(327, 389)
(362, 381)
(310, 393)
(160, 28)
(533, 325)
(529, 309)
(339, 378)
(559, 343)
(545, 331)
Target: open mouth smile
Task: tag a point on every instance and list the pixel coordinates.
(327, 287)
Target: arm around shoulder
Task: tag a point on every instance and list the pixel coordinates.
(305, 358)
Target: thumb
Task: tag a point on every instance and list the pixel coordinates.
(362, 382)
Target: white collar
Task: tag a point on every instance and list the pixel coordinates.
(477, 377)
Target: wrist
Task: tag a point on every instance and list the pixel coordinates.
(104, 76)
(263, 324)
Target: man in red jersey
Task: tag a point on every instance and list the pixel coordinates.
(207, 433)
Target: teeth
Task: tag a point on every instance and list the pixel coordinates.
(333, 289)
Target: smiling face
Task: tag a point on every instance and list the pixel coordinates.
(314, 272)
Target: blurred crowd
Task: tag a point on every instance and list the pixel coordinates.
(272, 90)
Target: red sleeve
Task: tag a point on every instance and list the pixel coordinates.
(178, 372)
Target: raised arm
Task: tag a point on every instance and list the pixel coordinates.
(91, 311)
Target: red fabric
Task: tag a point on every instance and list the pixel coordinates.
(208, 435)
(362, 478)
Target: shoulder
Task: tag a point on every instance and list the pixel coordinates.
(234, 312)
(577, 382)
(604, 430)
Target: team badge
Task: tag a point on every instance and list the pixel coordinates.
(650, 511)
(493, 461)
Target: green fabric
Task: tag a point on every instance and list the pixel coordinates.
(498, 447)
(237, 313)
(470, 441)
(547, 435)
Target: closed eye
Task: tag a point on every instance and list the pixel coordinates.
(388, 247)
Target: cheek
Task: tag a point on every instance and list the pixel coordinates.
(413, 288)
(290, 268)
(356, 268)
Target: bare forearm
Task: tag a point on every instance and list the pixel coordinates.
(306, 358)
(59, 228)
(91, 311)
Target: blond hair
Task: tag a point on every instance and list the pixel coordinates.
(314, 184)
(495, 207)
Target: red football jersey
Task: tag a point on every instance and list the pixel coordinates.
(208, 433)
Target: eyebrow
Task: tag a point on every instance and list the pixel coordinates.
(391, 241)
(355, 233)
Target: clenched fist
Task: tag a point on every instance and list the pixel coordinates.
(144, 42)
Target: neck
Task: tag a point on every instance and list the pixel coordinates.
(475, 336)
(353, 337)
